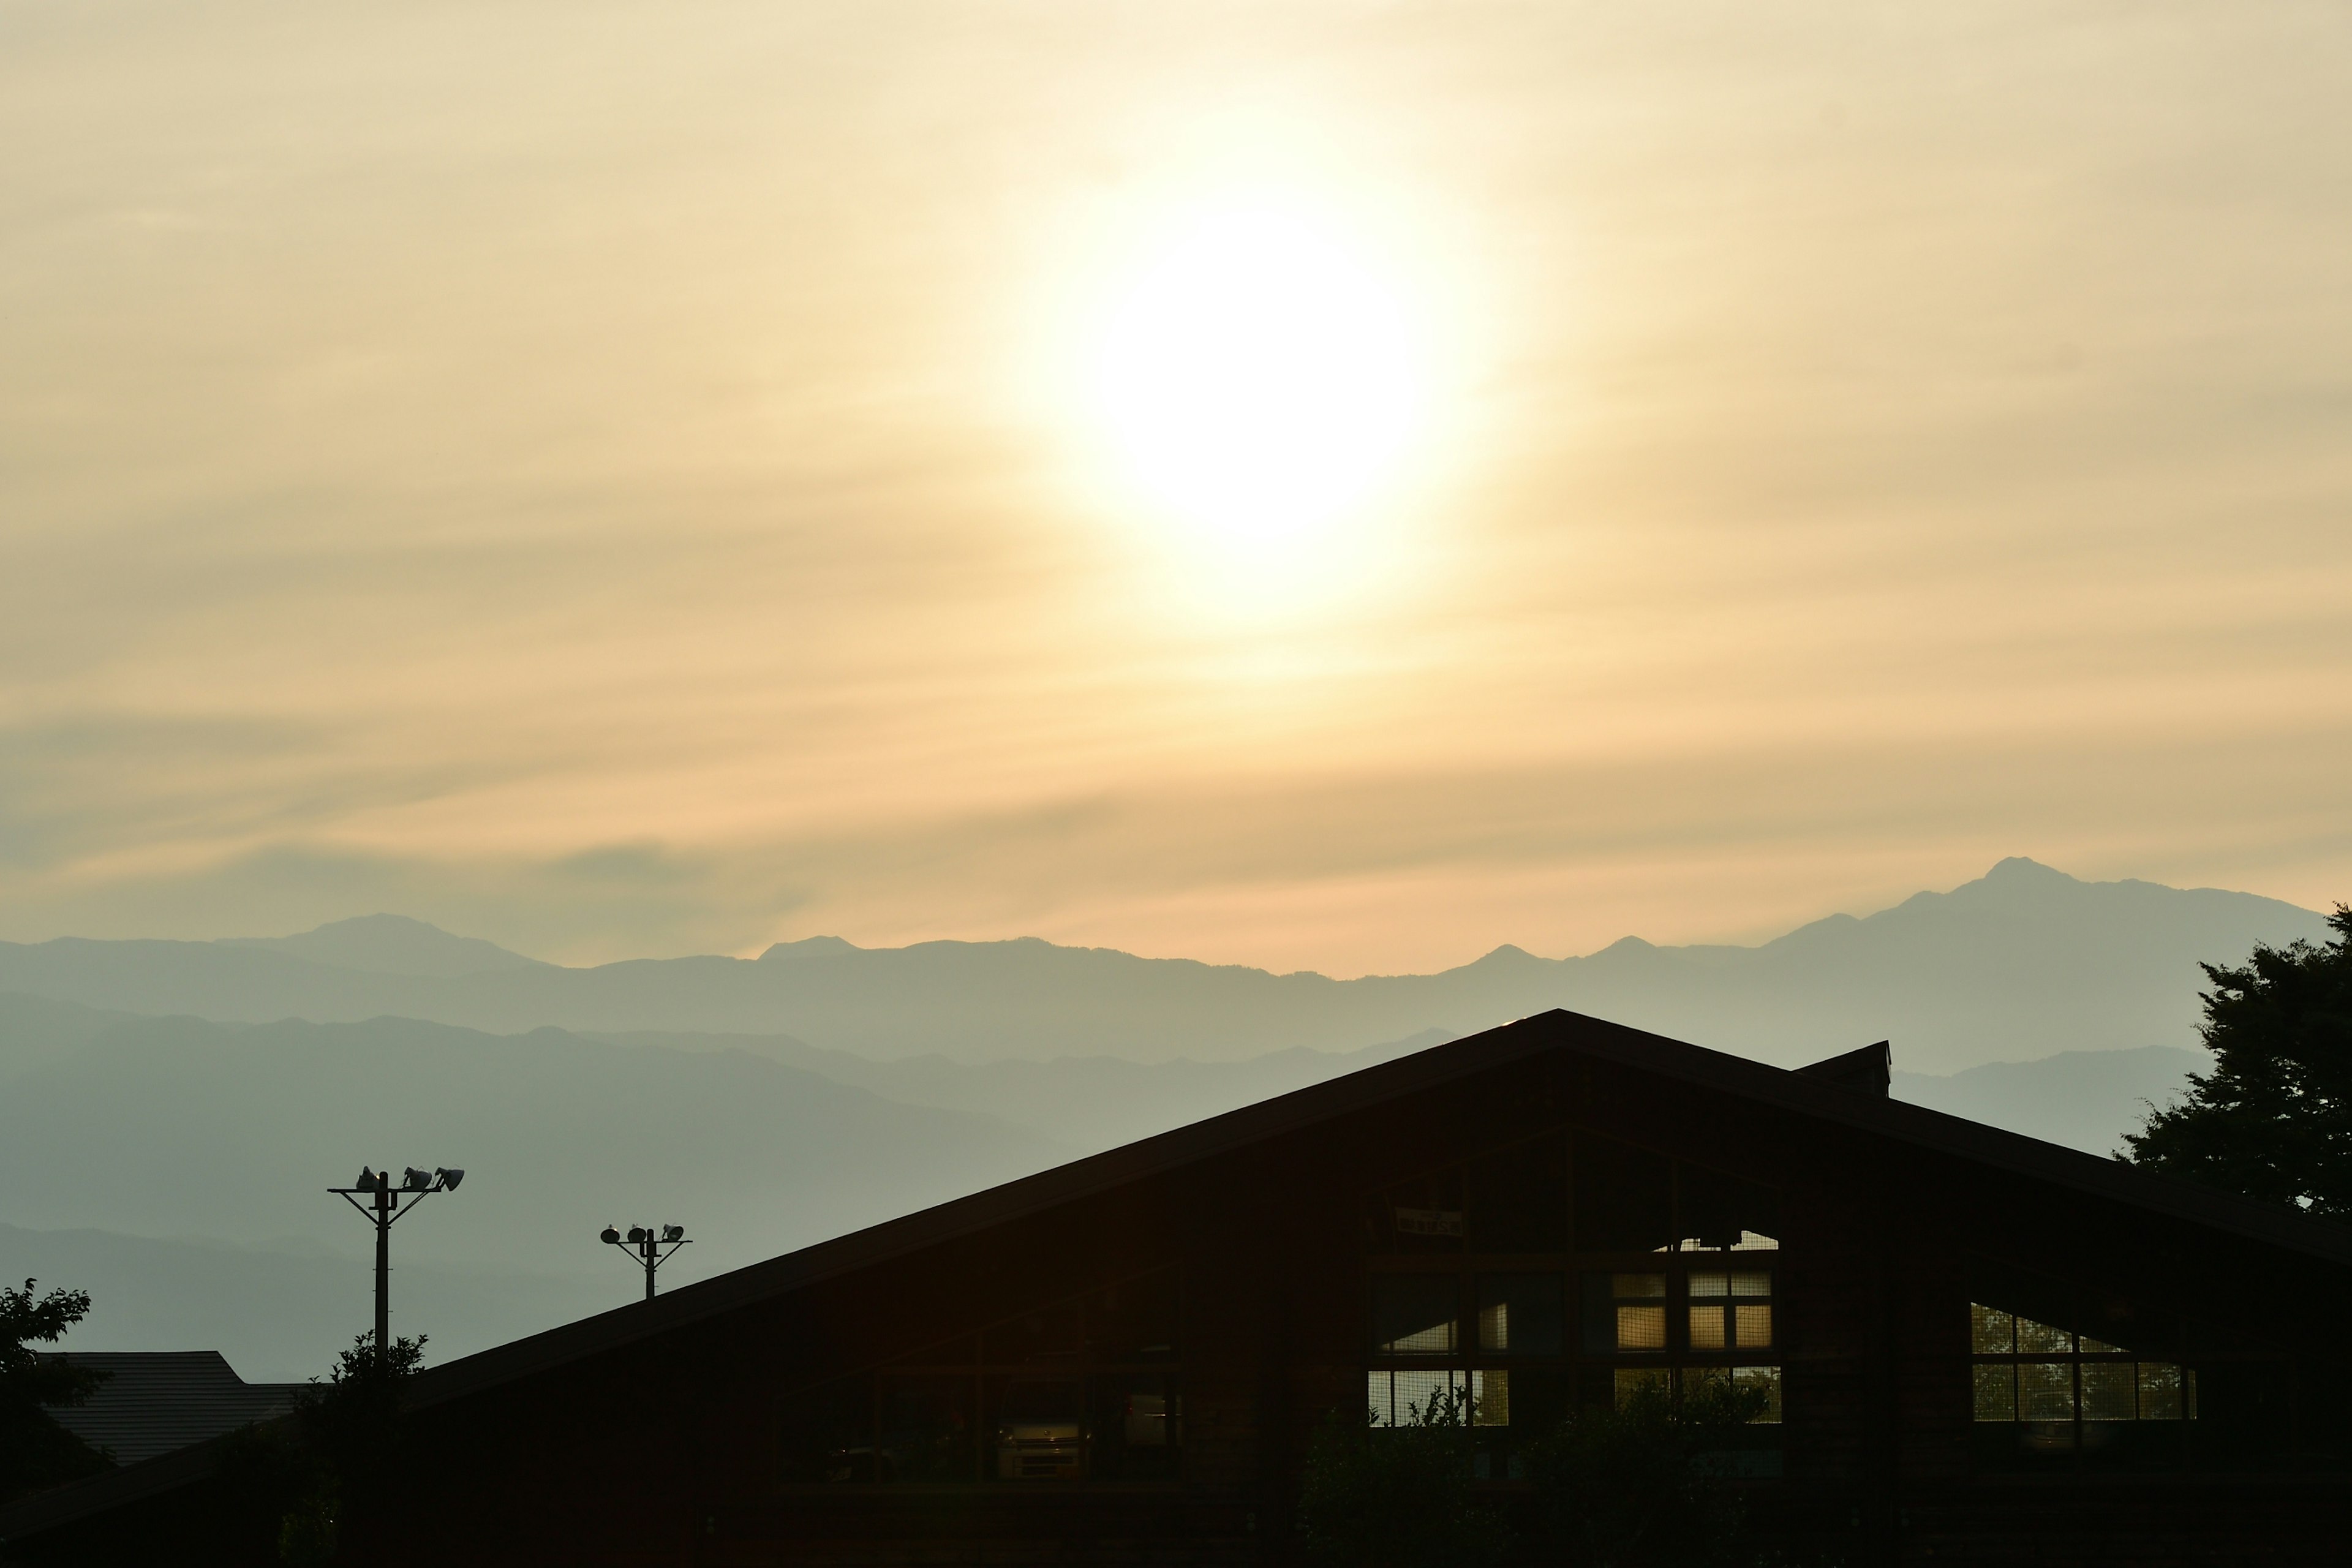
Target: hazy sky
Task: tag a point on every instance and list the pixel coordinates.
(1313, 485)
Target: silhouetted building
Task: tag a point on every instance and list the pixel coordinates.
(155, 1401)
(1974, 1346)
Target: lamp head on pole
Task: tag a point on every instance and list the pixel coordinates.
(637, 1234)
(609, 1236)
(673, 1232)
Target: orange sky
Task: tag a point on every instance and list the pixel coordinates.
(623, 480)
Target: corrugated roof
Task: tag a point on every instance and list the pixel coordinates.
(155, 1401)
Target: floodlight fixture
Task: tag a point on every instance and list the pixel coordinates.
(647, 1246)
(385, 1206)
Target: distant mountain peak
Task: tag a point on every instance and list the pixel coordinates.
(390, 944)
(2022, 867)
(807, 947)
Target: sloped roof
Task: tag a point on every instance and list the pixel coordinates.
(155, 1401)
(1825, 1098)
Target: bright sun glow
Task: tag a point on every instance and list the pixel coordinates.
(1259, 380)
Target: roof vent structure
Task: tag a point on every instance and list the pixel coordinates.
(1869, 1070)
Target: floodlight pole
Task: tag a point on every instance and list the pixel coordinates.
(645, 1242)
(381, 1211)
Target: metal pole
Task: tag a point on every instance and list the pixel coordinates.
(650, 1263)
(382, 1265)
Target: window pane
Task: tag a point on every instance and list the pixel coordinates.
(1995, 1391)
(1706, 1330)
(1752, 1282)
(1053, 1333)
(1490, 1398)
(1133, 1434)
(1640, 1327)
(1414, 1314)
(2099, 1347)
(1379, 1398)
(1751, 1327)
(1631, 1380)
(1522, 1314)
(1624, 1197)
(1134, 1321)
(828, 1433)
(927, 1429)
(1767, 1378)
(2108, 1391)
(1710, 1284)
(1037, 1429)
(1423, 1215)
(1419, 1394)
(2041, 1339)
(1635, 1287)
(1991, 1332)
(2045, 1390)
(2159, 1391)
(1755, 1241)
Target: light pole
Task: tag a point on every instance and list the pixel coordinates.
(415, 1186)
(647, 1247)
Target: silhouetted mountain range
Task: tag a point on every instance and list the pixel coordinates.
(2023, 962)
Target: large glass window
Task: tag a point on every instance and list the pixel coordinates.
(1660, 1275)
(1522, 1314)
(2043, 1392)
(1080, 1389)
(1416, 1315)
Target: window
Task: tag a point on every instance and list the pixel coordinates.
(1570, 1266)
(1625, 1314)
(1730, 1310)
(2044, 1393)
(1521, 1315)
(1415, 1314)
(1081, 1389)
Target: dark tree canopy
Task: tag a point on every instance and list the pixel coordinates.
(34, 1451)
(2273, 1118)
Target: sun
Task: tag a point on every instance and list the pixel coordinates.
(1258, 379)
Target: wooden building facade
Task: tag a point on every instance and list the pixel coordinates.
(1974, 1347)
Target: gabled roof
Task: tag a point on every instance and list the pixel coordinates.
(1832, 1099)
(155, 1401)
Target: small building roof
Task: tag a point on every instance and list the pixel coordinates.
(155, 1401)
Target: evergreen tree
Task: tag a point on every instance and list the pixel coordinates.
(2273, 1118)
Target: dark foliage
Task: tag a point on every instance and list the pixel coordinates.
(1647, 1484)
(2273, 1118)
(34, 1451)
(1397, 1496)
(297, 1488)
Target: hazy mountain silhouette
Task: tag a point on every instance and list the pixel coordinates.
(392, 944)
(176, 1168)
(279, 1314)
(2085, 1100)
(178, 1127)
(1088, 1104)
(2022, 963)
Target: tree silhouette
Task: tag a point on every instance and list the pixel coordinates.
(2273, 1118)
(34, 1451)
